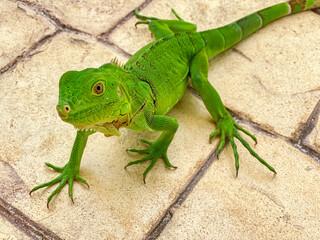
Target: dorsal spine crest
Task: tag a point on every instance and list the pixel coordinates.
(116, 62)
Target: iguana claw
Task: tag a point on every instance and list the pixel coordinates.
(155, 151)
(141, 22)
(227, 127)
(68, 175)
(138, 15)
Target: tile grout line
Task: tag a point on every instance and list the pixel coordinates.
(157, 228)
(316, 11)
(125, 19)
(104, 37)
(308, 127)
(46, 14)
(30, 52)
(24, 223)
(61, 27)
(310, 124)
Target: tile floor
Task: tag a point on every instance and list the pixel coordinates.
(269, 82)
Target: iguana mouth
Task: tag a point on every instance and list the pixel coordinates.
(88, 111)
(115, 124)
(87, 127)
(84, 114)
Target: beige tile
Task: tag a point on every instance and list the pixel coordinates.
(91, 16)
(118, 205)
(256, 205)
(9, 232)
(277, 87)
(205, 14)
(313, 140)
(20, 28)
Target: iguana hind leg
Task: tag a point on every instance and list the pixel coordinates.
(161, 27)
(226, 126)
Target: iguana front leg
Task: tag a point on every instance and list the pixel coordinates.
(168, 126)
(226, 126)
(70, 171)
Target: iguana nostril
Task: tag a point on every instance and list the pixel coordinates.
(63, 112)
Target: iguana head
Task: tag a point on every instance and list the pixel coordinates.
(94, 98)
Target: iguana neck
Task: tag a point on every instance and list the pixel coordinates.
(137, 94)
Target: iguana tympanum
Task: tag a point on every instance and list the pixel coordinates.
(138, 94)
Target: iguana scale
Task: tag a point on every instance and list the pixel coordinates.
(137, 95)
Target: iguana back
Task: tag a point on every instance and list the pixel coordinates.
(164, 65)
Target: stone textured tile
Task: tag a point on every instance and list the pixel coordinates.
(279, 86)
(313, 140)
(118, 205)
(205, 14)
(9, 232)
(11, 185)
(16, 38)
(256, 205)
(91, 16)
(272, 79)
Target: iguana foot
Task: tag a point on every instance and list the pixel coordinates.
(164, 27)
(156, 150)
(68, 175)
(227, 127)
(152, 18)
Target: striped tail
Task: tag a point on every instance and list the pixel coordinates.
(219, 39)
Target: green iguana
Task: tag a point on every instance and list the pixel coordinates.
(138, 94)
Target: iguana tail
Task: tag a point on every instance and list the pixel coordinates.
(219, 39)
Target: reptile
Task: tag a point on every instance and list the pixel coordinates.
(137, 95)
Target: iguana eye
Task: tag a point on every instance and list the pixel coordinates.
(98, 88)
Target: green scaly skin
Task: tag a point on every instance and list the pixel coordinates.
(137, 95)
